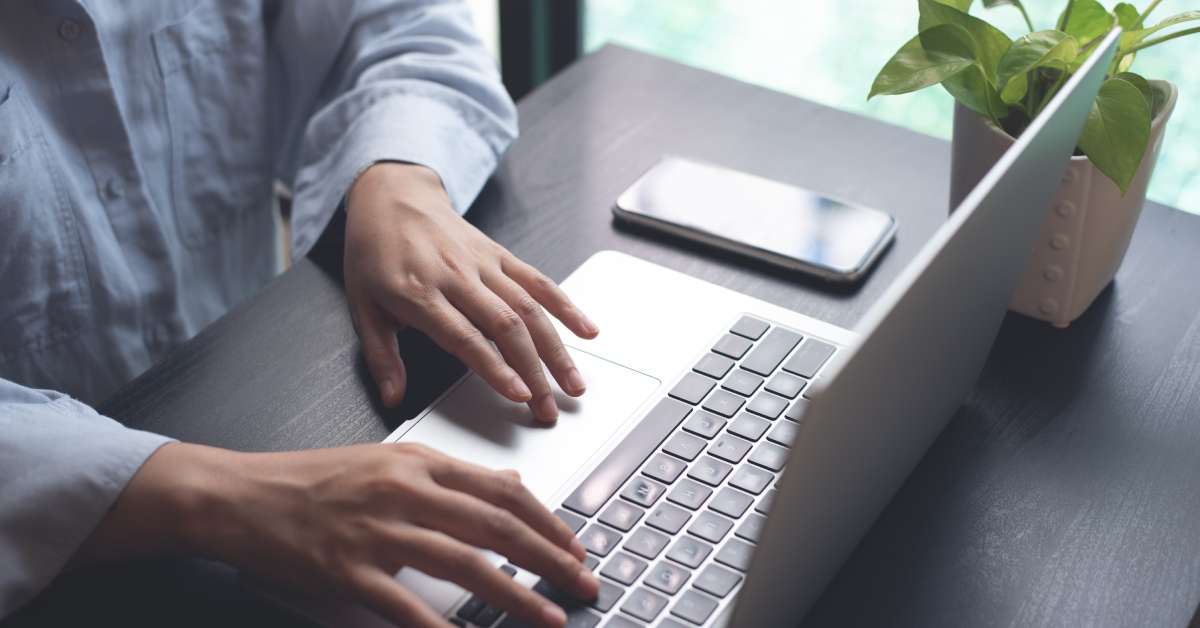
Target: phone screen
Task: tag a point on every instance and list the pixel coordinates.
(731, 207)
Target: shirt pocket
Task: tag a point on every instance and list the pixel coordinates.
(42, 273)
(212, 63)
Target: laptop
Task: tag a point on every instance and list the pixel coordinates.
(729, 453)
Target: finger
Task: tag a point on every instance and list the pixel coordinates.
(381, 593)
(550, 295)
(377, 333)
(442, 557)
(506, 328)
(505, 490)
(549, 346)
(454, 333)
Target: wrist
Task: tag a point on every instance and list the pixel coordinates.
(414, 185)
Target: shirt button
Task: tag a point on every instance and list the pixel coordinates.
(69, 30)
(113, 189)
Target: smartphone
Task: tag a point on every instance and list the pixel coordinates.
(766, 220)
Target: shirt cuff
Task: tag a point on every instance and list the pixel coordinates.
(64, 466)
(406, 128)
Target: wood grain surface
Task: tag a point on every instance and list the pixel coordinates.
(1063, 493)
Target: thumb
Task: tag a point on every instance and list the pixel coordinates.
(377, 333)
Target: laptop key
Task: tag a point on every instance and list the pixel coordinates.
(730, 448)
(573, 521)
(770, 456)
(731, 502)
(750, 327)
(487, 616)
(764, 504)
(786, 385)
(809, 358)
(608, 596)
(471, 608)
(709, 470)
(684, 446)
(689, 494)
(736, 554)
(724, 403)
(767, 405)
(742, 382)
(664, 468)
(667, 577)
(710, 526)
(621, 515)
(694, 607)
(692, 388)
(713, 365)
(751, 529)
(599, 540)
(732, 346)
(689, 552)
(624, 568)
(620, 621)
(751, 479)
(668, 518)
(784, 433)
(717, 580)
(704, 424)
(749, 426)
(667, 622)
(644, 604)
(643, 491)
(591, 562)
(637, 446)
(795, 412)
(647, 543)
(771, 350)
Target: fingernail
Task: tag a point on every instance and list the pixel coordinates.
(590, 326)
(519, 389)
(575, 381)
(387, 390)
(577, 549)
(587, 583)
(554, 615)
(547, 409)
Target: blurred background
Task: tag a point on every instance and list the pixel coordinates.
(828, 52)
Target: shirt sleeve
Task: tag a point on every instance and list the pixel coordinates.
(62, 466)
(384, 80)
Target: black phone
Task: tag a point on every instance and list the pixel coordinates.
(764, 219)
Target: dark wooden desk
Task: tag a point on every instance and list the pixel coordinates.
(1063, 493)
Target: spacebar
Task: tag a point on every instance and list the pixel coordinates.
(627, 457)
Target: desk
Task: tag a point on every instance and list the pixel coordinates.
(1063, 492)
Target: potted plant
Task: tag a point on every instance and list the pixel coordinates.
(1000, 85)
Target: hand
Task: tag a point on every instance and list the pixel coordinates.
(410, 259)
(345, 521)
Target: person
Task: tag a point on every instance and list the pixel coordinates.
(139, 144)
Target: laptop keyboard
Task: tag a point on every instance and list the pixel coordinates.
(671, 516)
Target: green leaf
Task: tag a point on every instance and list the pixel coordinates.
(1117, 131)
(990, 42)
(934, 55)
(1035, 50)
(1016, 3)
(961, 5)
(1132, 38)
(1015, 89)
(1085, 20)
(1127, 15)
(972, 89)
(1143, 86)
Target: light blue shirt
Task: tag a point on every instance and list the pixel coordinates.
(139, 143)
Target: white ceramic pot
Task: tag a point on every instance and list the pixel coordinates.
(1087, 228)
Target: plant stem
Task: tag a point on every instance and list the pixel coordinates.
(1141, 21)
(1159, 40)
(1062, 78)
(1028, 22)
(1066, 16)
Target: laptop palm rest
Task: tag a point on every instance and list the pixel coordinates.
(474, 423)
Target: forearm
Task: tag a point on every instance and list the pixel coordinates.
(173, 505)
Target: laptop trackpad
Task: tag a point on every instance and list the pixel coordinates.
(476, 424)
